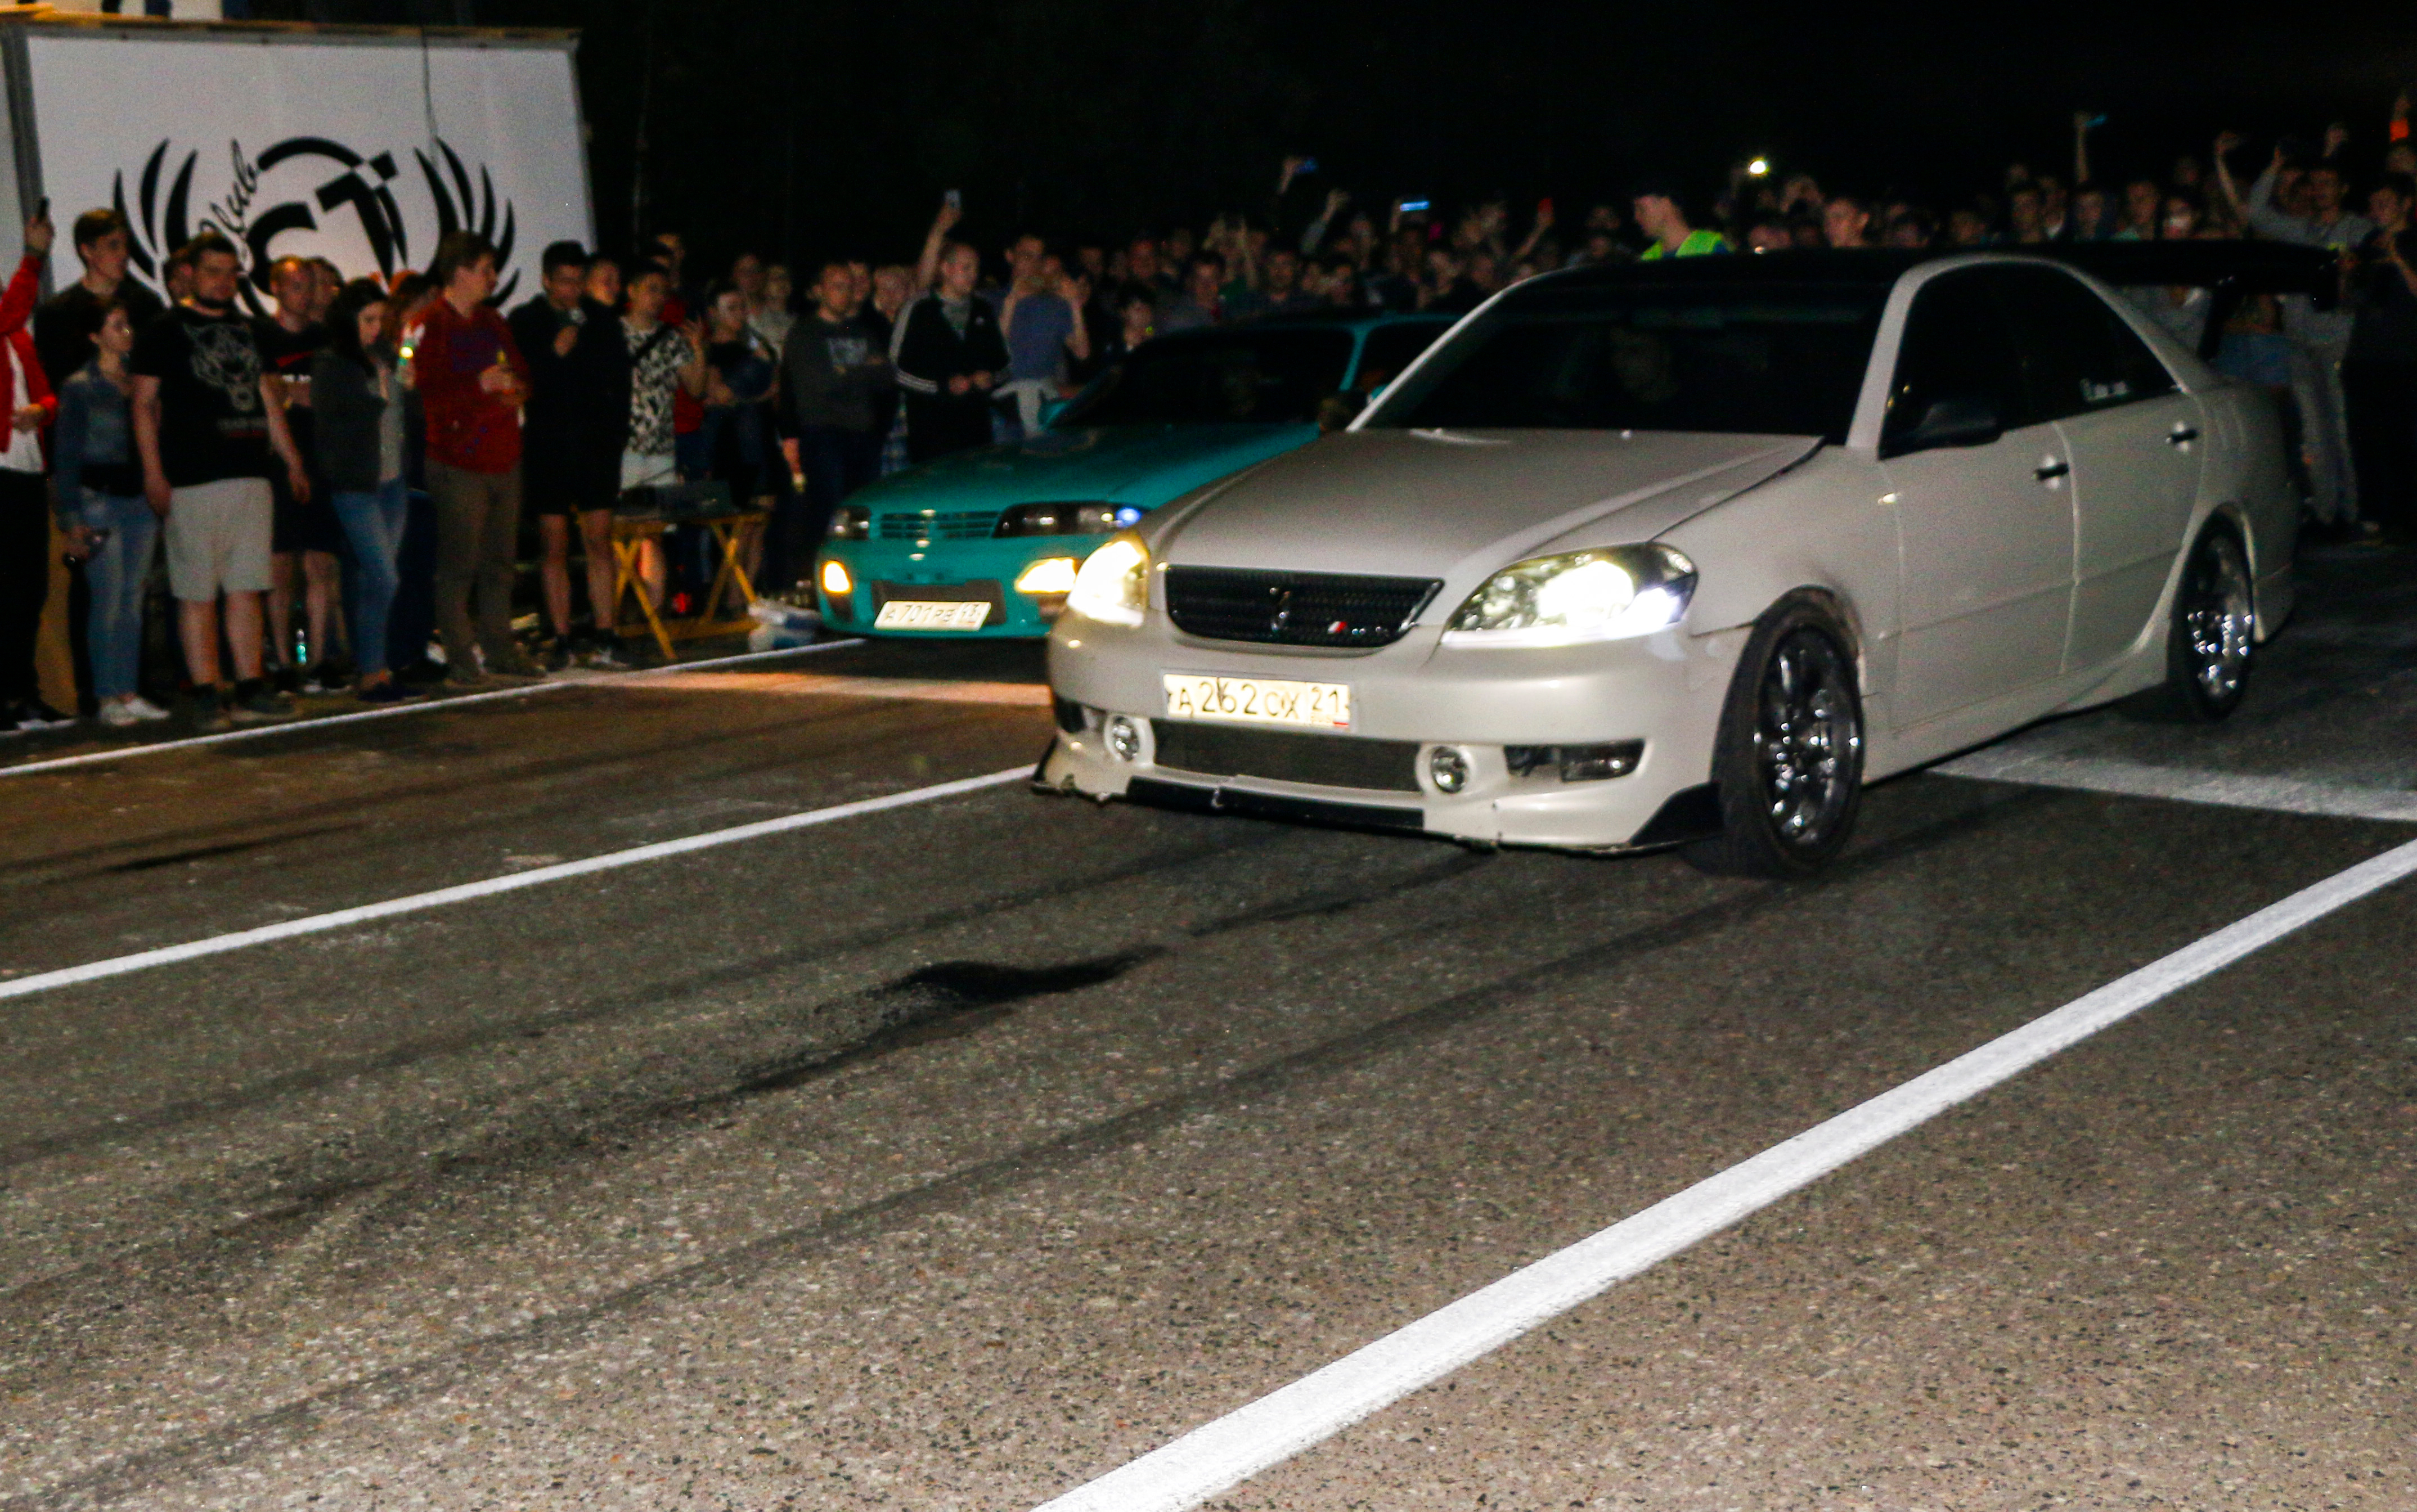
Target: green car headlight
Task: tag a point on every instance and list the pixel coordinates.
(1064, 520)
(1605, 595)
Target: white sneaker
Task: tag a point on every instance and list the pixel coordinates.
(118, 716)
(145, 709)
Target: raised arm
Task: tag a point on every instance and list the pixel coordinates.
(2226, 143)
(24, 288)
(1535, 233)
(1077, 295)
(927, 265)
(1314, 235)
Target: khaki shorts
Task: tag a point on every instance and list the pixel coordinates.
(218, 539)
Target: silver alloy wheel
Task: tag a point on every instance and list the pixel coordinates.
(1808, 738)
(2217, 622)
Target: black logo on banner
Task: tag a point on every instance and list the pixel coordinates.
(305, 183)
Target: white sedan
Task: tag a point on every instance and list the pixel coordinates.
(1687, 552)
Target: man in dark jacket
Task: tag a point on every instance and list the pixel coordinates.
(572, 435)
(833, 372)
(102, 243)
(948, 354)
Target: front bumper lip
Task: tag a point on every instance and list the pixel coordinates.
(1664, 690)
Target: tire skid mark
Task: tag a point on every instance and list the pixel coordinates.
(133, 1474)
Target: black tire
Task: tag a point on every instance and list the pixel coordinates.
(2213, 636)
(1787, 762)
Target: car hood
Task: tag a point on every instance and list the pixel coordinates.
(1144, 465)
(1456, 506)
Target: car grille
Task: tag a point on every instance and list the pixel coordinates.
(936, 526)
(1323, 761)
(1294, 608)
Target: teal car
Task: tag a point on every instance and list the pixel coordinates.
(985, 543)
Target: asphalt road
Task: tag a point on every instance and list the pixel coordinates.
(950, 1155)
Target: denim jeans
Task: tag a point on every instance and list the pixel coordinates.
(373, 522)
(115, 575)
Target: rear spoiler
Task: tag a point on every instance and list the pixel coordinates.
(2230, 271)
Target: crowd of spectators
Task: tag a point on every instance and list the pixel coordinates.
(335, 487)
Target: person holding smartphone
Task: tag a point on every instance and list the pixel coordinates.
(473, 381)
(96, 490)
(948, 357)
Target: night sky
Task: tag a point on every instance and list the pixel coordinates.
(833, 128)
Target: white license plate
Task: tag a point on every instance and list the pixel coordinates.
(1258, 701)
(926, 614)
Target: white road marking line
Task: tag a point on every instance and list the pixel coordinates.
(1221, 1454)
(803, 684)
(287, 727)
(2183, 784)
(511, 882)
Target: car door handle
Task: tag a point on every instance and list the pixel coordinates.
(2048, 470)
(2181, 435)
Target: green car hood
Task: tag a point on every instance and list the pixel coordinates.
(1142, 465)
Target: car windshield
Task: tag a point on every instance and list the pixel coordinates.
(1220, 377)
(1754, 357)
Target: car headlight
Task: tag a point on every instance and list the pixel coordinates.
(1604, 595)
(1050, 575)
(836, 582)
(1065, 520)
(851, 522)
(1113, 584)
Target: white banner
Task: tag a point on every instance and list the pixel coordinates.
(362, 152)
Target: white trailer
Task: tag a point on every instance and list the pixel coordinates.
(361, 144)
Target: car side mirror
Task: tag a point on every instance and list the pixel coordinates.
(1952, 422)
(1051, 409)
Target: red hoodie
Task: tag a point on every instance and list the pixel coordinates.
(468, 427)
(17, 343)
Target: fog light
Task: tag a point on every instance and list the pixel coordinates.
(836, 582)
(1448, 768)
(1050, 575)
(1124, 739)
(1593, 764)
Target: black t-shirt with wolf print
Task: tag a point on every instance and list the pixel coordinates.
(212, 424)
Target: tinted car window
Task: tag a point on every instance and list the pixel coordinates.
(1956, 347)
(1387, 349)
(1260, 377)
(1755, 359)
(2077, 354)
